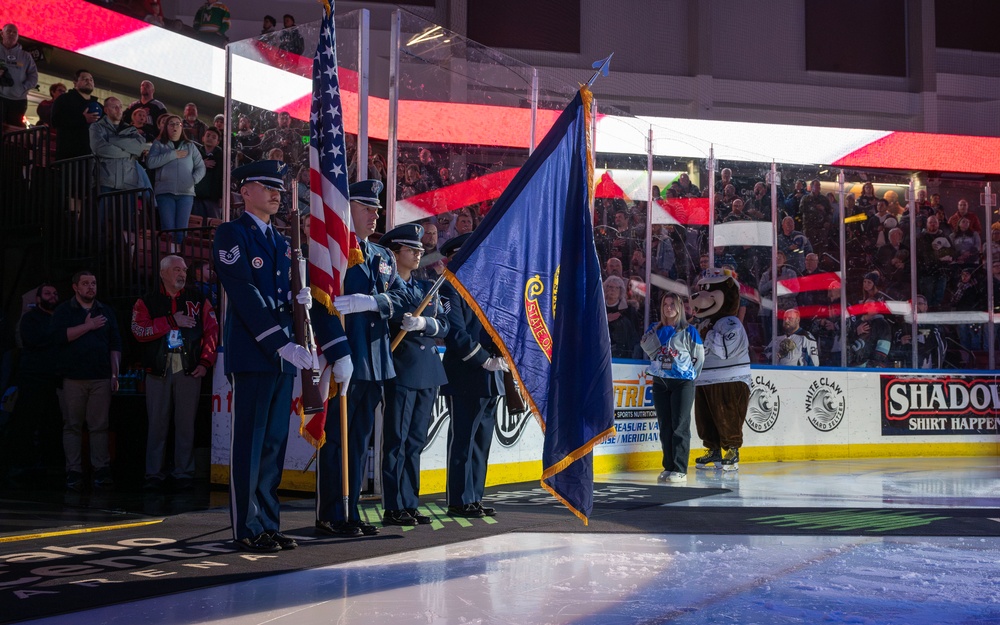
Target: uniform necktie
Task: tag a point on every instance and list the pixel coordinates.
(270, 237)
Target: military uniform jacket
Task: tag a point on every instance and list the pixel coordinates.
(368, 332)
(467, 347)
(256, 276)
(416, 359)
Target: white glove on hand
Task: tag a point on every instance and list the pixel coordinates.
(343, 369)
(347, 304)
(650, 343)
(299, 356)
(495, 363)
(305, 298)
(413, 324)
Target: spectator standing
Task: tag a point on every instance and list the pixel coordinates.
(178, 167)
(817, 216)
(411, 395)
(140, 121)
(219, 122)
(212, 19)
(794, 244)
(964, 213)
(254, 265)
(204, 282)
(147, 101)
(289, 39)
(18, 76)
(284, 137)
(44, 108)
(194, 128)
(622, 322)
(72, 115)
(934, 255)
(117, 149)
(178, 331)
(246, 142)
(966, 243)
(676, 355)
(33, 448)
(268, 25)
(930, 343)
(89, 362)
(208, 190)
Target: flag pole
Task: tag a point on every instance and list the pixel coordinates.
(602, 69)
(416, 313)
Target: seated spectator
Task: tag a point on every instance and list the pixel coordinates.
(964, 213)
(795, 346)
(212, 20)
(965, 243)
(622, 323)
(930, 343)
(736, 212)
(44, 109)
(870, 339)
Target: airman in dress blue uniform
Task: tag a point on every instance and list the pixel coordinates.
(410, 396)
(253, 263)
(372, 294)
(475, 384)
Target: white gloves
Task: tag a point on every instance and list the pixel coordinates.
(343, 369)
(299, 356)
(413, 324)
(305, 298)
(347, 304)
(650, 343)
(495, 363)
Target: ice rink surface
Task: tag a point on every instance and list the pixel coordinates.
(592, 578)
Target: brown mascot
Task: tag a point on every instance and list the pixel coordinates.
(722, 391)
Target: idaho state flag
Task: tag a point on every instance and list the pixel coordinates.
(531, 273)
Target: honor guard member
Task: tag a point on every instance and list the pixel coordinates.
(254, 264)
(475, 384)
(411, 395)
(367, 305)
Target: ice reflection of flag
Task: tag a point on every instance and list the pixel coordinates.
(531, 272)
(332, 244)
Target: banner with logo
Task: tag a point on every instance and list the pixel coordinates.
(913, 405)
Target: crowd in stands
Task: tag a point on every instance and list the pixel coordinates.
(950, 252)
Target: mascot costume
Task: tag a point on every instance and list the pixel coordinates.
(722, 391)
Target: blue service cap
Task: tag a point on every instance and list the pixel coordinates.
(268, 173)
(407, 234)
(367, 192)
(452, 245)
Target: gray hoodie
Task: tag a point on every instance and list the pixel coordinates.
(20, 67)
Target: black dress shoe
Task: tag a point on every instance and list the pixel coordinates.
(487, 511)
(419, 518)
(366, 528)
(285, 542)
(261, 543)
(341, 529)
(469, 511)
(398, 517)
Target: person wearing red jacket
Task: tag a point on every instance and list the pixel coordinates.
(179, 333)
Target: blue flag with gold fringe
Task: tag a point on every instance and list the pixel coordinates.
(531, 273)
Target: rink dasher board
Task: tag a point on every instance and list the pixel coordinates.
(793, 414)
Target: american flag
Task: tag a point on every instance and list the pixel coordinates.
(332, 244)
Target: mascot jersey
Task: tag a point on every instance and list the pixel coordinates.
(727, 353)
(680, 354)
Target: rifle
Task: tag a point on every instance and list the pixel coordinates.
(312, 397)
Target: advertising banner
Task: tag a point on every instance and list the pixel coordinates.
(930, 405)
